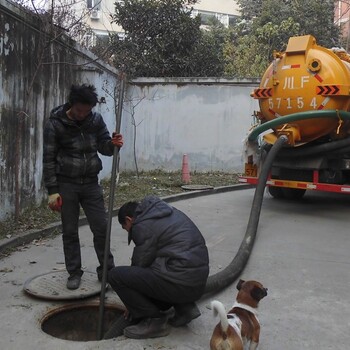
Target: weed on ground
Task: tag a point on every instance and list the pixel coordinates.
(130, 187)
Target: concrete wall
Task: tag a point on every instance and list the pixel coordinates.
(204, 118)
(36, 73)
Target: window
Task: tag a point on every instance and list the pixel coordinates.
(232, 20)
(93, 4)
(102, 40)
(89, 40)
(208, 17)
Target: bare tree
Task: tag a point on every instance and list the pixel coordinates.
(133, 102)
(130, 105)
(113, 93)
(59, 17)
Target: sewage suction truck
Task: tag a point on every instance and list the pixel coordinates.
(304, 96)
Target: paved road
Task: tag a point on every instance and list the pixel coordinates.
(301, 254)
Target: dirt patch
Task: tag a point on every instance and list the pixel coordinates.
(130, 187)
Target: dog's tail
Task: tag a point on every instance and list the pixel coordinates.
(219, 309)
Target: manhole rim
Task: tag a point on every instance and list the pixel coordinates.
(54, 310)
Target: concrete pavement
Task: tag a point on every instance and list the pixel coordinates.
(301, 254)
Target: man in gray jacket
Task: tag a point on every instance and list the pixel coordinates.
(169, 268)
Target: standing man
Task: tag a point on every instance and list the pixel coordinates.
(72, 137)
(169, 267)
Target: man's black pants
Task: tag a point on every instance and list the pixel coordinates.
(144, 293)
(90, 197)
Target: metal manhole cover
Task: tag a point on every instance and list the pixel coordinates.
(52, 286)
(197, 187)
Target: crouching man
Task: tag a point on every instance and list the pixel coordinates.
(169, 268)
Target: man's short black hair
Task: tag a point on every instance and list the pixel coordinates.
(127, 209)
(85, 94)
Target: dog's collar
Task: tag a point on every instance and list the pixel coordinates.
(246, 307)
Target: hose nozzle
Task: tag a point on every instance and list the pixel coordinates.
(290, 132)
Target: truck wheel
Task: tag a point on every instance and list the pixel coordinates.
(293, 193)
(276, 192)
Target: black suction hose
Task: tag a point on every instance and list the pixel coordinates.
(227, 276)
(312, 150)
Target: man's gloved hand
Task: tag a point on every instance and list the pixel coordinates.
(55, 202)
(117, 139)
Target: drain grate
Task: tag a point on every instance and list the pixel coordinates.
(52, 286)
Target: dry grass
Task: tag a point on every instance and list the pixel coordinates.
(130, 187)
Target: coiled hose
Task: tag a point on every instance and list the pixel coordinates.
(224, 278)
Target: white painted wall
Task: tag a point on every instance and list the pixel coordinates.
(204, 118)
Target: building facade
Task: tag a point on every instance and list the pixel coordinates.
(100, 14)
(342, 19)
(226, 11)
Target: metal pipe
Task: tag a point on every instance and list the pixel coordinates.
(110, 208)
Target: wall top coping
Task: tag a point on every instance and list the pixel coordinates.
(195, 81)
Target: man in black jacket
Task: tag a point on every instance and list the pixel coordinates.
(72, 137)
(169, 267)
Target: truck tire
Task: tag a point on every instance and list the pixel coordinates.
(293, 193)
(276, 192)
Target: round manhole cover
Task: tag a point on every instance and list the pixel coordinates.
(52, 286)
(197, 187)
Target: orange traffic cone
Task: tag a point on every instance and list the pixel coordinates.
(185, 170)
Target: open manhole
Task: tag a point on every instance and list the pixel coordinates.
(79, 322)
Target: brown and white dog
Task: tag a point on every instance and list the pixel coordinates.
(240, 328)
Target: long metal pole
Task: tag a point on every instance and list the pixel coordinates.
(110, 208)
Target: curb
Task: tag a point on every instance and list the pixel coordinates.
(29, 236)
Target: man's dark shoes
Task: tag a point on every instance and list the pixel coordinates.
(99, 272)
(148, 328)
(117, 327)
(184, 314)
(73, 282)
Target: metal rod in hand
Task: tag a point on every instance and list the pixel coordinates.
(110, 210)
